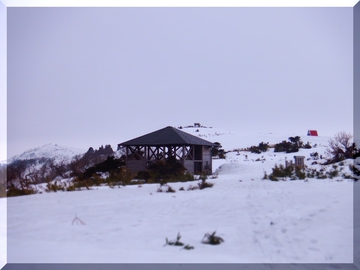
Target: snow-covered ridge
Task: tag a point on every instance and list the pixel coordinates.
(51, 151)
(229, 140)
(245, 138)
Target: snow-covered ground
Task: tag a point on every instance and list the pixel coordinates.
(260, 220)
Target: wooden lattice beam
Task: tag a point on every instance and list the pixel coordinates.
(150, 153)
(136, 152)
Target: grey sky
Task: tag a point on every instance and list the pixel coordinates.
(89, 76)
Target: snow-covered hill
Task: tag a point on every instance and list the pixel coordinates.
(241, 139)
(50, 151)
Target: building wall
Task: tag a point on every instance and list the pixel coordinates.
(207, 160)
(189, 165)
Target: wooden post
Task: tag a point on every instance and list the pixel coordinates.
(183, 156)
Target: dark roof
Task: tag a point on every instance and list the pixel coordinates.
(167, 136)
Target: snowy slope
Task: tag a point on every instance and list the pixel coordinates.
(241, 139)
(52, 151)
(260, 220)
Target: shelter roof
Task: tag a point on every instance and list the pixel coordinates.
(167, 136)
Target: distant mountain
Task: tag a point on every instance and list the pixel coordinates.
(50, 151)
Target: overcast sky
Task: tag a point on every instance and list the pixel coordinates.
(86, 77)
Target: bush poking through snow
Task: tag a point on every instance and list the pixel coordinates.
(174, 242)
(77, 221)
(291, 146)
(262, 147)
(216, 150)
(170, 189)
(347, 176)
(54, 187)
(188, 247)
(191, 187)
(212, 239)
(178, 243)
(308, 146)
(281, 172)
(166, 188)
(221, 154)
(203, 184)
(293, 173)
(71, 187)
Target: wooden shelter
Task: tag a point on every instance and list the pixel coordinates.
(193, 152)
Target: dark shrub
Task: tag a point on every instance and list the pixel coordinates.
(299, 173)
(174, 242)
(296, 141)
(54, 186)
(221, 154)
(143, 175)
(254, 149)
(215, 149)
(282, 171)
(212, 239)
(290, 146)
(169, 170)
(191, 187)
(18, 191)
(282, 146)
(307, 146)
(170, 189)
(110, 164)
(262, 147)
(291, 172)
(203, 184)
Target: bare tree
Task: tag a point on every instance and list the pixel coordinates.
(341, 147)
(59, 168)
(33, 175)
(78, 165)
(21, 178)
